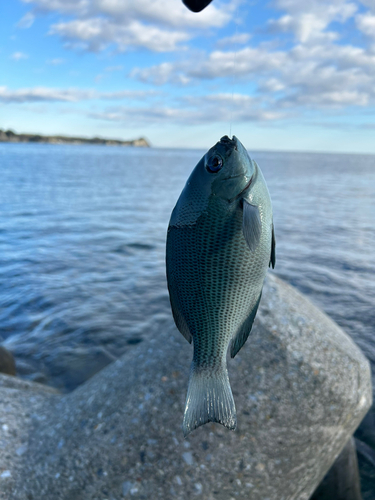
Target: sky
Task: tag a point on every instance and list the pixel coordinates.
(280, 75)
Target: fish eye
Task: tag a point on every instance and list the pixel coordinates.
(214, 164)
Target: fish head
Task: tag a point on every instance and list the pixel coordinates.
(229, 169)
(224, 172)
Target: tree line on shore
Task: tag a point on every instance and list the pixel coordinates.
(11, 136)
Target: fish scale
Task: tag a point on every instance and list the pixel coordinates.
(214, 278)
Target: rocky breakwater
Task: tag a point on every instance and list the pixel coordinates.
(301, 388)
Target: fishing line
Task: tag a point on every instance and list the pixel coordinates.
(234, 70)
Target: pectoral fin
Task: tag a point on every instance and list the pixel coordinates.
(251, 225)
(244, 330)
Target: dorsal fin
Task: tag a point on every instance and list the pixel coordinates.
(273, 249)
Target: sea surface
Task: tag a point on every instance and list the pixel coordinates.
(82, 245)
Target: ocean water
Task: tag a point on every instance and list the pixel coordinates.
(82, 241)
(82, 244)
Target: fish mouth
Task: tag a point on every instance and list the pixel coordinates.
(229, 142)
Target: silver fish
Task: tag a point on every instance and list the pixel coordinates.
(220, 242)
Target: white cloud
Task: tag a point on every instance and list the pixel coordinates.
(173, 14)
(96, 34)
(27, 21)
(306, 27)
(17, 56)
(46, 94)
(320, 75)
(210, 108)
(237, 39)
(319, 69)
(55, 62)
(159, 26)
(327, 99)
(248, 62)
(369, 3)
(366, 24)
(309, 20)
(63, 6)
(163, 73)
(272, 85)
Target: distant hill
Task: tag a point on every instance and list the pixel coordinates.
(10, 136)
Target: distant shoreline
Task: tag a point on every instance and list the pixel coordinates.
(10, 136)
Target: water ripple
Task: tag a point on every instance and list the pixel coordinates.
(82, 244)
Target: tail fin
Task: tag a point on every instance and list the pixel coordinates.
(209, 399)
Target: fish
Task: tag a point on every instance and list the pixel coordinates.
(220, 243)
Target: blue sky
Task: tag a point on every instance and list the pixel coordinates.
(281, 75)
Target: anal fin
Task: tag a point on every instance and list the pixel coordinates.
(179, 319)
(244, 330)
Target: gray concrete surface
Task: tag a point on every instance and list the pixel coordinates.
(342, 481)
(301, 388)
